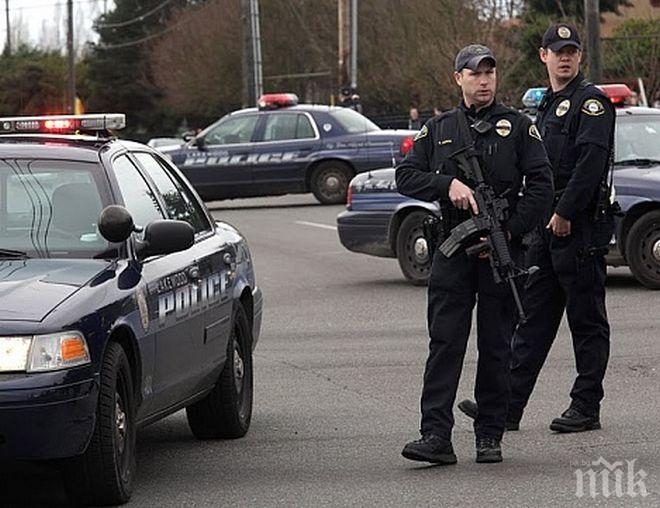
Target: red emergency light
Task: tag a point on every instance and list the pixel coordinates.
(618, 93)
(277, 100)
(406, 145)
(62, 124)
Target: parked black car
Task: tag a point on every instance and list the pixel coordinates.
(121, 302)
(381, 222)
(282, 147)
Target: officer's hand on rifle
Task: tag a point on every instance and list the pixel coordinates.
(559, 226)
(462, 196)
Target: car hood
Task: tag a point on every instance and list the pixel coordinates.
(31, 288)
(642, 181)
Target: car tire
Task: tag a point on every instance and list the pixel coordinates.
(104, 474)
(643, 249)
(329, 182)
(225, 413)
(412, 249)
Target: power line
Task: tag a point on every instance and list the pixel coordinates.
(137, 19)
(146, 38)
(56, 4)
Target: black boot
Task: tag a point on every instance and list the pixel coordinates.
(470, 409)
(430, 448)
(489, 450)
(574, 420)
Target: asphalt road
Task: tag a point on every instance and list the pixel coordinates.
(338, 373)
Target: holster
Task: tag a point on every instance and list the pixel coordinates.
(433, 233)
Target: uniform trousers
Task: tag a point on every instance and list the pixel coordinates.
(455, 285)
(573, 279)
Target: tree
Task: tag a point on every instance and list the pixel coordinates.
(634, 51)
(565, 9)
(119, 75)
(32, 82)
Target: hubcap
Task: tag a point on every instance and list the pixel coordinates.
(656, 250)
(332, 183)
(239, 368)
(421, 249)
(120, 424)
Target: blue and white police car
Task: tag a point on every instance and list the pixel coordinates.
(121, 302)
(284, 147)
(381, 222)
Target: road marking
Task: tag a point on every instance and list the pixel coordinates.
(316, 225)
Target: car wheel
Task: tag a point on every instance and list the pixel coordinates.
(104, 474)
(643, 249)
(412, 250)
(329, 182)
(227, 410)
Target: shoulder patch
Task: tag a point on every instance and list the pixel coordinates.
(423, 132)
(534, 132)
(593, 107)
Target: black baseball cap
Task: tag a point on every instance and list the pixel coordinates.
(560, 35)
(471, 56)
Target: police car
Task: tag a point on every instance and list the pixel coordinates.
(121, 302)
(381, 222)
(282, 147)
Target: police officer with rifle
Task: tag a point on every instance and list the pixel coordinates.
(473, 160)
(576, 120)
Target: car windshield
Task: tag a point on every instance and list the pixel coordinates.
(352, 121)
(637, 139)
(50, 209)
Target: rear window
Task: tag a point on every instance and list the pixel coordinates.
(352, 121)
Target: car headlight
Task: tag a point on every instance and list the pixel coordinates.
(41, 353)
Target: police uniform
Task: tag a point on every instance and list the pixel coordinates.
(577, 125)
(510, 151)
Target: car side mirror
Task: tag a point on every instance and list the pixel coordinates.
(188, 135)
(200, 142)
(115, 223)
(165, 236)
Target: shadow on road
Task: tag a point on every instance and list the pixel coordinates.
(30, 484)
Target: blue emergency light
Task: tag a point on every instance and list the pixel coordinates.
(533, 97)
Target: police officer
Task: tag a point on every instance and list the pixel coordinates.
(576, 121)
(509, 149)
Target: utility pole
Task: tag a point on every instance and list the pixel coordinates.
(343, 25)
(256, 50)
(251, 65)
(592, 23)
(71, 95)
(354, 43)
(8, 45)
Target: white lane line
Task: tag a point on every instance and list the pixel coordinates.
(315, 225)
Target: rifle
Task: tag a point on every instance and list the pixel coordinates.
(487, 223)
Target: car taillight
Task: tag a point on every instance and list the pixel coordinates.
(349, 196)
(406, 145)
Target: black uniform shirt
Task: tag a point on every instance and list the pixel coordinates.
(578, 151)
(510, 151)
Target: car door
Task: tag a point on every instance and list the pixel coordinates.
(218, 165)
(209, 274)
(284, 145)
(167, 294)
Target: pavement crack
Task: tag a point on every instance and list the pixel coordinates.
(341, 386)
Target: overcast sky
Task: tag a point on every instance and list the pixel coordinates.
(43, 22)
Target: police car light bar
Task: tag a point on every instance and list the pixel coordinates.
(277, 100)
(62, 124)
(533, 97)
(617, 93)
